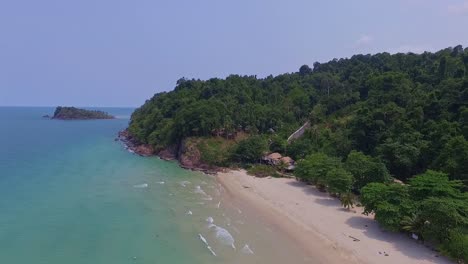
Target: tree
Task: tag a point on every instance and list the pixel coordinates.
(339, 181)
(457, 245)
(412, 224)
(305, 70)
(250, 150)
(365, 169)
(314, 168)
(453, 159)
(347, 200)
(433, 184)
(440, 216)
(389, 202)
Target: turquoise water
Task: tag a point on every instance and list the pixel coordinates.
(71, 194)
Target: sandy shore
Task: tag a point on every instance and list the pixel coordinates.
(319, 224)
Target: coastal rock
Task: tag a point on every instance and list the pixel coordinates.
(169, 153)
(144, 150)
(186, 152)
(134, 145)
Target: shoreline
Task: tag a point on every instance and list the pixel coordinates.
(319, 225)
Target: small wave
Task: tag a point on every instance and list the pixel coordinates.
(224, 236)
(122, 116)
(219, 204)
(208, 198)
(199, 190)
(221, 234)
(161, 182)
(184, 183)
(189, 212)
(143, 185)
(246, 250)
(203, 239)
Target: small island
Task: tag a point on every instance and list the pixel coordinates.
(73, 113)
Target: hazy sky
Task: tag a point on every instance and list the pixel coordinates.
(119, 53)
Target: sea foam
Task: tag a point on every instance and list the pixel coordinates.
(203, 239)
(143, 185)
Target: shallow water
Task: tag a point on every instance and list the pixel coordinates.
(71, 194)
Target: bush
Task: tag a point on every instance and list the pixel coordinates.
(314, 168)
(339, 181)
(457, 246)
(216, 151)
(365, 169)
(250, 150)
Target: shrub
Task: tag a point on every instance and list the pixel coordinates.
(250, 150)
(215, 151)
(456, 246)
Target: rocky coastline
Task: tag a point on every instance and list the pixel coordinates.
(187, 156)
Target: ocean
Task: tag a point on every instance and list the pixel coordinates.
(70, 193)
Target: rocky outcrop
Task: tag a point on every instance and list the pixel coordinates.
(133, 145)
(186, 152)
(169, 153)
(189, 157)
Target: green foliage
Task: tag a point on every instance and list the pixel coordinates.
(277, 144)
(407, 110)
(339, 181)
(365, 169)
(433, 184)
(69, 113)
(314, 168)
(262, 170)
(453, 158)
(250, 150)
(215, 151)
(457, 245)
(389, 202)
(430, 206)
(347, 200)
(441, 215)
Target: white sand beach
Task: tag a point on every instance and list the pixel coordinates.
(326, 231)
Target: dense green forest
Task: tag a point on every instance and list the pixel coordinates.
(408, 110)
(373, 118)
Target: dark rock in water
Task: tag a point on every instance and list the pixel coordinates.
(73, 113)
(46, 116)
(133, 145)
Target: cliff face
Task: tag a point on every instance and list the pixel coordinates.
(186, 152)
(73, 113)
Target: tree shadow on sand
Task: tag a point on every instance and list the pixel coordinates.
(322, 198)
(371, 229)
(401, 242)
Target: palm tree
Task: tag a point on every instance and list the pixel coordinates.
(412, 224)
(347, 200)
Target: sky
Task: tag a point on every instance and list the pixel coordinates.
(120, 53)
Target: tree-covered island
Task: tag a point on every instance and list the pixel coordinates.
(73, 113)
